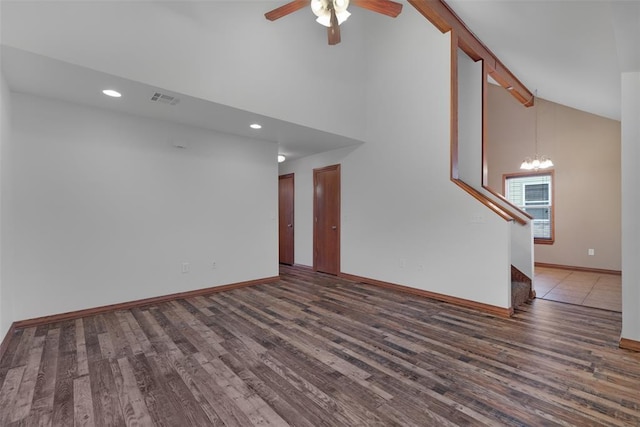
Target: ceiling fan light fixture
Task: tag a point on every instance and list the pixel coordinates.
(318, 7)
(326, 19)
(340, 6)
(332, 13)
(342, 16)
(322, 9)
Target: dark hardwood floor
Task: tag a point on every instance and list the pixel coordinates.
(315, 350)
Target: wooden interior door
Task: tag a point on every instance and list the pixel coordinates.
(326, 224)
(285, 218)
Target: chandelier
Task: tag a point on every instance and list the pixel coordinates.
(536, 162)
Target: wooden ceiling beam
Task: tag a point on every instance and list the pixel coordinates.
(445, 19)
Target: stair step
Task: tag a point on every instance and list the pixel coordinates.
(520, 293)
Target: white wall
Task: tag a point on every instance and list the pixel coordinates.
(5, 133)
(522, 252)
(630, 205)
(220, 51)
(303, 197)
(469, 120)
(403, 220)
(576, 141)
(105, 209)
(470, 134)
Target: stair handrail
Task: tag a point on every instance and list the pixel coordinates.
(502, 211)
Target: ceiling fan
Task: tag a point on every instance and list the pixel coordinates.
(332, 13)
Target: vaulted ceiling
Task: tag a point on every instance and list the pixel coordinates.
(571, 52)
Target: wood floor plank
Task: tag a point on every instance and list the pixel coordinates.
(223, 405)
(245, 398)
(81, 349)
(7, 359)
(45, 384)
(82, 402)
(170, 330)
(66, 371)
(270, 394)
(106, 405)
(24, 398)
(184, 388)
(9, 392)
(134, 409)
(316, 350)
(132, 340)
(143, 341)
(117, 339)
(22, 349)
(163, 410)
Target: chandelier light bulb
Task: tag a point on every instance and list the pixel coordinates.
(538, 162)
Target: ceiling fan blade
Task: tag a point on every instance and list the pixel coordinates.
(334, 30)
(386, 7)
(288, 8)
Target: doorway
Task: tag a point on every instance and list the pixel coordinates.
(326, 224)
(285, 218)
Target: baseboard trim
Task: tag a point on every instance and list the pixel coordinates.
(628, 344)
(5, 340)
(585, 269)
(491, 309)
(37, 321)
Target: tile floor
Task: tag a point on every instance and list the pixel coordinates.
(579, 287)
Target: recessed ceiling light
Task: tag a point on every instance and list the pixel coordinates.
(255, 126)
(281, 158)
(112, 93)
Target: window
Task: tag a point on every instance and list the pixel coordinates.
(533, 193)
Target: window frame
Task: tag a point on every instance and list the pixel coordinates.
(534, 203)
(537, 240)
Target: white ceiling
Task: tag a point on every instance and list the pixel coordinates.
(572, 52)
(30, 73)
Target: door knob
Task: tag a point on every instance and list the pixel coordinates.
(334, 227)
(289, 225)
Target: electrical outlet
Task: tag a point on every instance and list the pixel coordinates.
(403, 263)
(591, 252)
(214, 265)
(185, 267)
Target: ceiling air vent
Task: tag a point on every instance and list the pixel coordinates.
(164, 99)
